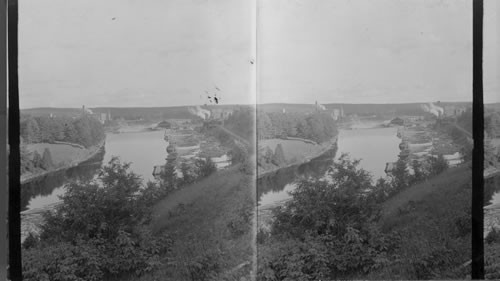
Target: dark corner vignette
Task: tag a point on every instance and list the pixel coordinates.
(14, 228)
(477, 266)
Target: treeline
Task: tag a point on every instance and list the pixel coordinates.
(318, 126)
(240, 122)
(34, 162)
(84, 130)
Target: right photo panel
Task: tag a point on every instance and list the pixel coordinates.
(491, 74)
(364, 140)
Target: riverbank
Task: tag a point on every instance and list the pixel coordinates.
(32, 219)
(64, 155)
(297, 151)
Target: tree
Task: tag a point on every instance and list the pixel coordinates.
(26, 160)
(47, 162)
(264, 125)
(238, 153)
(268, 154)
(70, 133)
(30, 130)
(327, 230)
(418, 172)
(279, 156)
(400, 175)
(83, 129)
(47, 129)
(169, 177)
(205, 167)
(187, 173)
(37, 160)
(97, 232)
(438, 165)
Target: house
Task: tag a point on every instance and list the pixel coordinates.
(453, 111)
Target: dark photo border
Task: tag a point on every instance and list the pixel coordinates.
(15, 268)
(477, 265)
(14, 184)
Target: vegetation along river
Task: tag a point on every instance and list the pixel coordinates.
(375, 147)
(143, 149)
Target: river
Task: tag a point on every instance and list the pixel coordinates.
(143, 149)
(375, 147)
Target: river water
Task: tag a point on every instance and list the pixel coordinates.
(375, 147)
(143, 149)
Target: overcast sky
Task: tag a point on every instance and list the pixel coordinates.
(167, 53)
(133, 52)
(367, 51)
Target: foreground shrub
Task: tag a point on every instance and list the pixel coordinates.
(329, 230)
(98, 231)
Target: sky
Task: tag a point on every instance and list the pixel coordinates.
(366, 51)
(168, 53)
(133, 52)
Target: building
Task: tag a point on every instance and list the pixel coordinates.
(453, 111)
(101, 117)
(220, 113)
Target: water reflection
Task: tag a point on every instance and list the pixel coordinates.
(36, 193)
(275, 182)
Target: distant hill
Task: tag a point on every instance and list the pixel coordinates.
(129, 113)
(359, 109)
(45, 111)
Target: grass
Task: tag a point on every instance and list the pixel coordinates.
(295, 150)
(433, 219)
(62, 154)
(210, 224)
(444, 182)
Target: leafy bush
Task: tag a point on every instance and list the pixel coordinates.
(98, 231)
(493, 236)
(329, 229)
(205, 167)
(492, 261)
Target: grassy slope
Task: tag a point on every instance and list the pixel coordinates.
(61, 153)
(444, 182)
(293, 149)
(435, 227)
(197, 219)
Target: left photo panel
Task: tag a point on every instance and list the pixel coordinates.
(137, 139)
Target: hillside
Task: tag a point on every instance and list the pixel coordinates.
(210, 224)
(130, 113)
(444, 182)
(434, 220)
